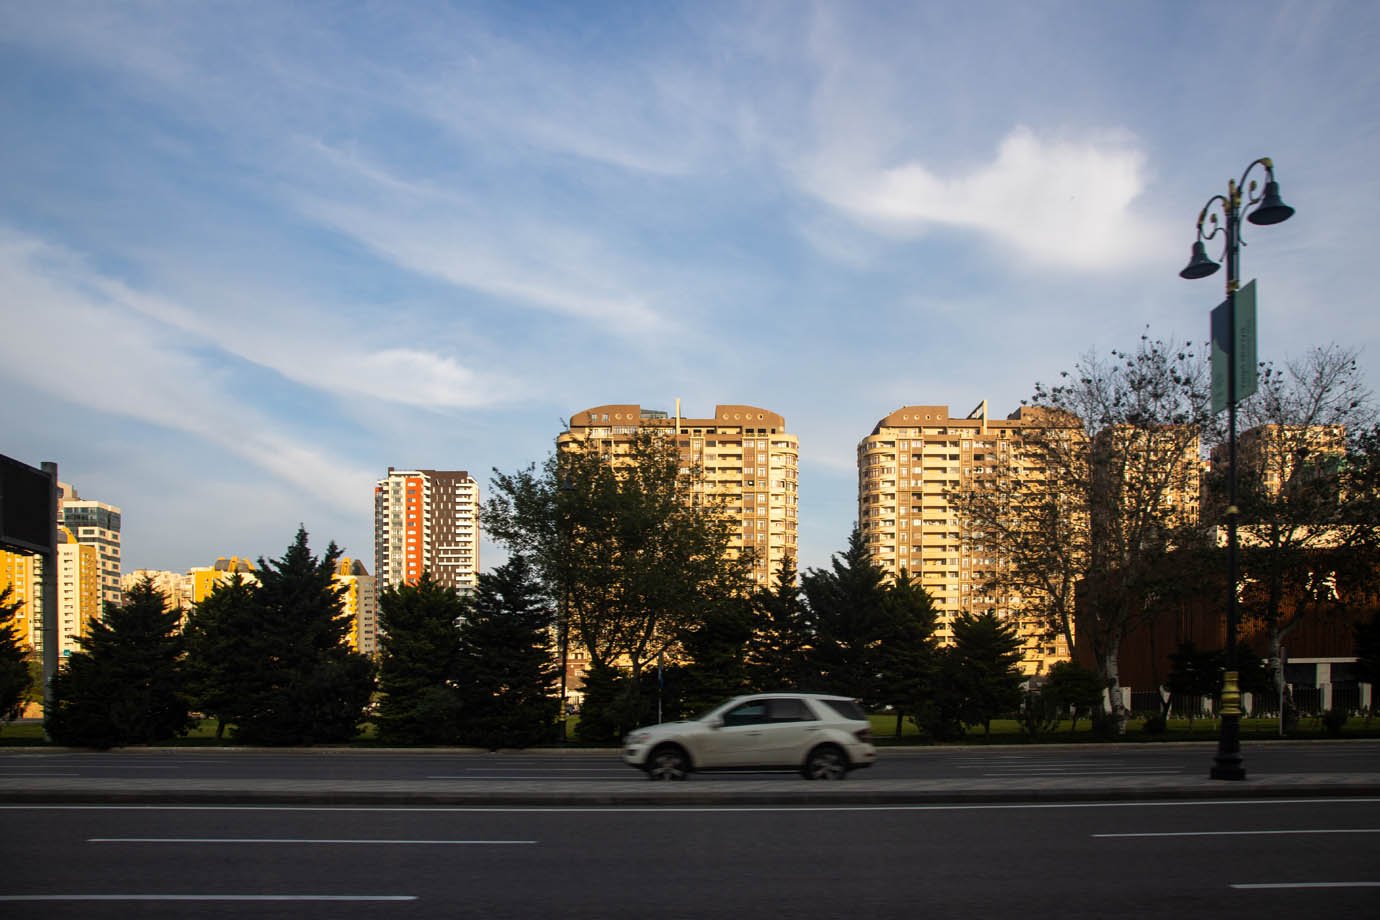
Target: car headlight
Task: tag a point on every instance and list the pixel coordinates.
(637, 737)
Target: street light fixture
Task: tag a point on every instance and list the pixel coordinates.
(1262, 210)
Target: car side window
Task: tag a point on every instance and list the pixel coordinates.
(789, 710)
(751, 713)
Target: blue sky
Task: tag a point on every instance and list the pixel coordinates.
(253, 254)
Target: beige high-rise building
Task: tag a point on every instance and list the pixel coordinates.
(79, 588)
(909, 469)
(95, 524)
(360, 602)
(175, 586)
(427, 521)
(750, 465)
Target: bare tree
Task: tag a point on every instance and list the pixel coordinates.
(1104, 485)
(1300, 522)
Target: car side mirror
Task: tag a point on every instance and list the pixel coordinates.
(716, 722)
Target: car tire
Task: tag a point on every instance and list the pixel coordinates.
(825, 762)
(668, 763)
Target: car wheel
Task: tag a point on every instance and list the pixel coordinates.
(826, 762)
(668, 763)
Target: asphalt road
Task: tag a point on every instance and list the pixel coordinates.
(596, 766)
(1227, 859)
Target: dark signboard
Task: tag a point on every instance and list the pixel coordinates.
(26, 507)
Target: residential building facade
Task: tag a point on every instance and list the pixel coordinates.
(911, 467)
(95, 524)
(359, 599)
(750, 466)
(427, 521)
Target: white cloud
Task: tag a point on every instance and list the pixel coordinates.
(66, 336)
(1063, 204)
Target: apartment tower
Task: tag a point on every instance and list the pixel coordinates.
(909, 468)
(95, 524)
(750, 465)
(426, 521)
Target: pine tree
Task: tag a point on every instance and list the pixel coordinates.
(848, 607)
(312, 689)
(989, 677)
(419, 701)
(14, 665)
(506, 673)
(125, 684)
(222, 665)
(778, 651)
(906, 659)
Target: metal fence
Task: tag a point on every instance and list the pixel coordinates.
(1308, 700)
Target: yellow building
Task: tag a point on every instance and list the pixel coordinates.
(360, 602)
(20, 573)
(749, 461)
(207, 578)
(911, 469)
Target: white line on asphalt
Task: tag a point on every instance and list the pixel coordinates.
(207, 897)
(297, 840)
(614, 768)
(1041, 774)
(1271, 833)
(705, 809)
(1277, 885)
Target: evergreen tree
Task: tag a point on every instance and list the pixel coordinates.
(1070, 688)
(848, 607)
(779, 648)
(223, 667)
(906, 659)
(419, 700)
(717, 650)
(14, 666)
(505, 669)
(125, 684)
(989, 678)
(316, 688)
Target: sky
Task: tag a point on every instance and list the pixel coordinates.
(252, 254)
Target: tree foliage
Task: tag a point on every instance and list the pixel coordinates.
(848, 608)
(1307, 509)
(1124, 488)
(419, 697)
(221, 666)
(627, 548)
(1072, 689)
(778, 651)
(310, 687)
(990, 677)
(124, 686)
(504, 667)
(15, 679)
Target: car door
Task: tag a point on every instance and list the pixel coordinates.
(737, 738)
(789, 732)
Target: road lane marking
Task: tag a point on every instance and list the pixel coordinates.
(1267, 833)
(1269, 886)
(701, 809)
(300, 840)
(207, 897)
(1040, 774)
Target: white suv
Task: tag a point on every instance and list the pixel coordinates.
(821, 736)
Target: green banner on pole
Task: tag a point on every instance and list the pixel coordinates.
(1238, 337)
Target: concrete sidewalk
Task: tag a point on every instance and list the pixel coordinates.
(858, 789)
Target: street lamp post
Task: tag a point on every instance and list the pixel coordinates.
(1263, 209)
